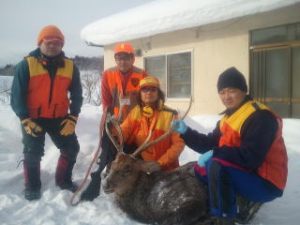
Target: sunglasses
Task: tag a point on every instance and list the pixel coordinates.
(149, 89)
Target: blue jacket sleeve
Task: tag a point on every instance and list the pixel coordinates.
(75, 93)
(257, 136)
(19, 90)
(201, 142)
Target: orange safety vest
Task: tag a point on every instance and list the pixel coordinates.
(136, 128)
(46, 98)
(274, 168)
(128, 94)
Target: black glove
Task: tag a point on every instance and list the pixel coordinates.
(93, 190)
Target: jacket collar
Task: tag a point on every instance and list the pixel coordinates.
(57, 61)
(229, 112)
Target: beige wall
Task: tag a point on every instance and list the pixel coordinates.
(214, 48)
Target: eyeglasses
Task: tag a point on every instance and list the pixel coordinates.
(53, 41)
(124, 57)
(148, 89)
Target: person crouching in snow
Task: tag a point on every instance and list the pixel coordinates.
(47, 97)
(244, 159)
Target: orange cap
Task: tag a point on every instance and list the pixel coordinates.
(50, 31)
(124, 47)
(149, 81)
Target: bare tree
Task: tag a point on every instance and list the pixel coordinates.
(5, 90)
(91, 87)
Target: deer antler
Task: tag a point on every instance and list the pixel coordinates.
(110, 119)
(147, 144)
(116, 124)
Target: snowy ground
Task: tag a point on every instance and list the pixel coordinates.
(54, 208)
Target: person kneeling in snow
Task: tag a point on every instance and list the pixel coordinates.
(40, 89)
(244, 160)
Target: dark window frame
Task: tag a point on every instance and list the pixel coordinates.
(259, 52)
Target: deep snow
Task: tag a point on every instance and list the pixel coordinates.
(54, 208)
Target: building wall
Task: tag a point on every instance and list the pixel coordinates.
(214, 48)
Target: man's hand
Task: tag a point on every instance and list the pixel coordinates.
(179, 126)
(31, 127)
(68, 125)
(150, 167)
(204, 158)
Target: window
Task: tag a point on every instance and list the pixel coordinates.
(174, 73)
(275, 76)
(276, 34)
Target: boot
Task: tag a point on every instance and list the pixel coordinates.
(105, 159)
(93, 190)
(32, 181)
(246, 210)
(63, 175)
(223, 221)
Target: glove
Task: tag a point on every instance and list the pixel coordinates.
(31, 127)
(68, 125)
(179, 126)
(204, 158)
(93, 190)
(150, 167)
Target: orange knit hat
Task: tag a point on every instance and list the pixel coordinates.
(50, 31)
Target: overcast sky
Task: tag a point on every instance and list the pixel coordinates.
(21, 21)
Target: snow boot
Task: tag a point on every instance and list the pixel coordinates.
(223, 221)
(246, 210)
(32, 181)
(93, 190)
(32, 194)
(63, 175)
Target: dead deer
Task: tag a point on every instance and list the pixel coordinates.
(164, 198)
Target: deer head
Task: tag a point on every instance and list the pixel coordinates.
(121, 175)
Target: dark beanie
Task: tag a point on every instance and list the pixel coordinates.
(232, 78)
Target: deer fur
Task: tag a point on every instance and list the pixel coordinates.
(164, 198)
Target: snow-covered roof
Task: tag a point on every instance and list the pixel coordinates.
(163, 16)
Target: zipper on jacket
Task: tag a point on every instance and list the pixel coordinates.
(52, 74)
